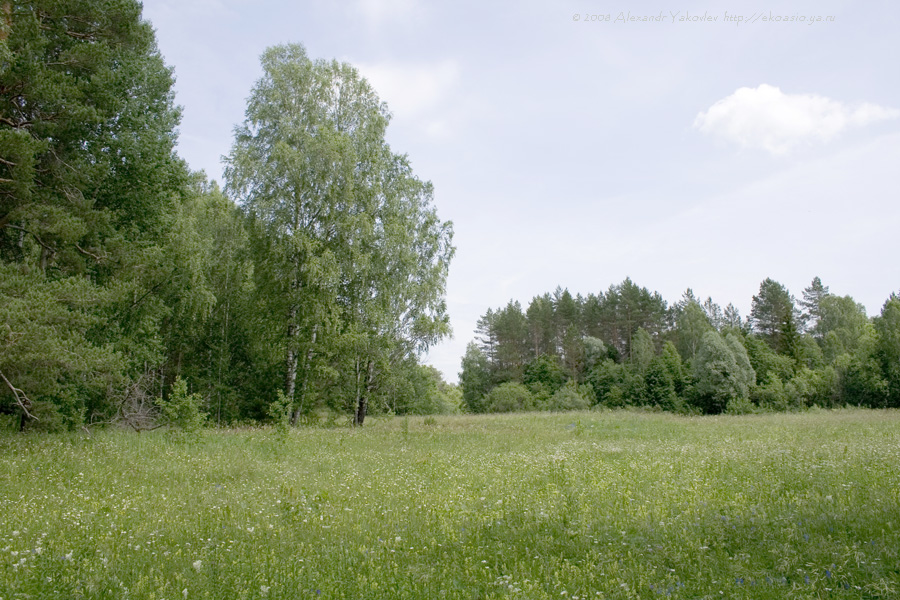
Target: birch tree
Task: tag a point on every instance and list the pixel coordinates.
(356, 257)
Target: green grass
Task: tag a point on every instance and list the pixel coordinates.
(564, 506)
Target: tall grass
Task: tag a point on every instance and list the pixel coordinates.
(565, 506)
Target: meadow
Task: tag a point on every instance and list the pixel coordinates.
(564, 506)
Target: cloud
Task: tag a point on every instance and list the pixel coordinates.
(424, 96)
(412, 90)
(379, 12)
(767, 118)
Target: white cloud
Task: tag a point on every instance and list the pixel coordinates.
(378, 12)
(767, 118)
(412, 90)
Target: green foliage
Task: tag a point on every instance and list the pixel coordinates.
(280, 411)
(830, 355)
(181, 410)
(509, 329)
(722, 373)
(813, 300)
(840, 324)
(571, 396)
(660, 385)
(691, 324)
(887, 350)
(745, 373)
(862, 381)
(544, 375)
(766, 362)
(49, 347)
(90, 191)
(770, 394)
(774, 317)
(475, 379)
(740, 406)
(509, 397)
(674, 367)
(611, 383)
(642, 351)
(595, 351)
(429, 393)
(352, 259)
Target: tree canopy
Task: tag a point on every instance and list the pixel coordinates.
(320, 271)
(634, 349)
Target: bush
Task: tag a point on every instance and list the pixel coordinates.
(47, 418)
(509, 397)
(740, 406)
(280, 412)
(182, 410)
(570, 397)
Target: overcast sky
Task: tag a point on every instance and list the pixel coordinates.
(710, 147)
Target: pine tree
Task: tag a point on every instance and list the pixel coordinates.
(774, 317)
(812, 305)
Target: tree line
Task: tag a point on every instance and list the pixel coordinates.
(627, 347)
(315, 278)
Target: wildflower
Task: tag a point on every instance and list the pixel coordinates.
(197, 564)
(184, 592)
(264, 590)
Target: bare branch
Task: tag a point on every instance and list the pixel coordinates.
(86, 253)
(15, 125)
(21, 399)
(47, 247)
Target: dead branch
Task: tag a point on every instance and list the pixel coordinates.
(136, 408)
(21, 399)
(86, 253)
(47, 247)
(15, 125)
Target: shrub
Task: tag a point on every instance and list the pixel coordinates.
(182, 410)
(570, 397)
(280, 413)
(509, 397)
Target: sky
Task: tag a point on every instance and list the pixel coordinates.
(577, 143)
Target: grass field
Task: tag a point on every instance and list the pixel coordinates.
(566, 506)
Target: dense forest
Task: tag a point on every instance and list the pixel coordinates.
(138, 292)
(132, 289)
(627, 347)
